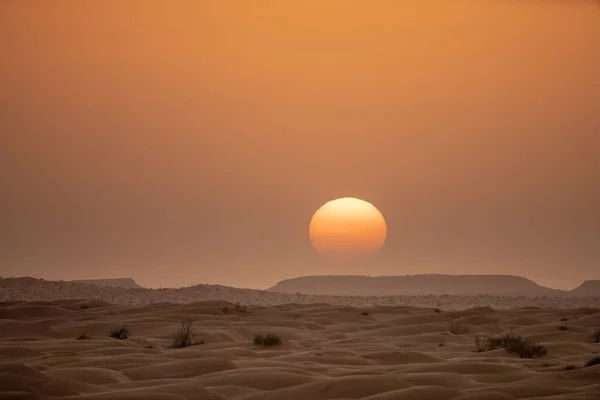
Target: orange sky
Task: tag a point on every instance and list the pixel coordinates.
(186, 142)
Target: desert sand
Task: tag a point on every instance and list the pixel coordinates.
(62, 349)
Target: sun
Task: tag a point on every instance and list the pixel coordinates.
(347, 228)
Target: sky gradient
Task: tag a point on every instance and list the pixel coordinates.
(188, 142)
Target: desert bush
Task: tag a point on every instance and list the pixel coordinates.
(365, 313)
(121, 332)
(483, 343)
(455, 327)
(84, 306)
(240, 308)
(596, 336)
(270, 339)
(182, 337)
(563, 328)
(514, 345)
(570, 367)
(83, 336)
(564, 319)
(592, 362)
(224, 309)
(437, 310)
(527, 349)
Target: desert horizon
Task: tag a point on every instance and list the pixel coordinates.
(95, 280)
(300, 200)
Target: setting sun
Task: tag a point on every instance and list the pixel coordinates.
(347, 228)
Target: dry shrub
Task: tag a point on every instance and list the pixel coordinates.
(183, 336)
(514, 345)
(121, 332)
(563, 328)
(83, 336)
(270, 339)
(240, 308)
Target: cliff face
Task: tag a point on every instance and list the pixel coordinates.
(498, 285)
(125, 283)
(587, 288)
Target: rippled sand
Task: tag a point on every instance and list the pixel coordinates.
(328, 352)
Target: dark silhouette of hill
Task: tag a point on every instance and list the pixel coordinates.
(40, 291)
(497, 285)
(125, 283)
(587, 288)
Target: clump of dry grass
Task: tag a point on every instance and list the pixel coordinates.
(120, 333)
(270, 339)
(513, 344)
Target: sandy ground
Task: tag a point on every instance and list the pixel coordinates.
(328, 352)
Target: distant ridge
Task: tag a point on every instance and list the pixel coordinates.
(358, 285)
(587, 288)
(41, 291)
(125, 283)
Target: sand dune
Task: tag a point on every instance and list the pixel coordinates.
(60, 349)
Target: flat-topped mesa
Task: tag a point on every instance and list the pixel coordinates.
(125, 283)
(587, 288)
(497, 285)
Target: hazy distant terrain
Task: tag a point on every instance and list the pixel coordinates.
(63, 350)
(31, 289)
(495, 285)
(126, 283)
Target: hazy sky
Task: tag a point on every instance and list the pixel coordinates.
(188, 142)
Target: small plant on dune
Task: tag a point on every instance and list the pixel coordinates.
(514, 345)
(224, 309)
(364, 313)
(596, 336)
(121, 332)
(563, 328)
(527, 349)
(564, 319)
(592, 362)
(570, 367)
(183, 336)
(455, 327)
(83, 336)
(84, 306)
(270, 339)
(484, 343)
(437, 310)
